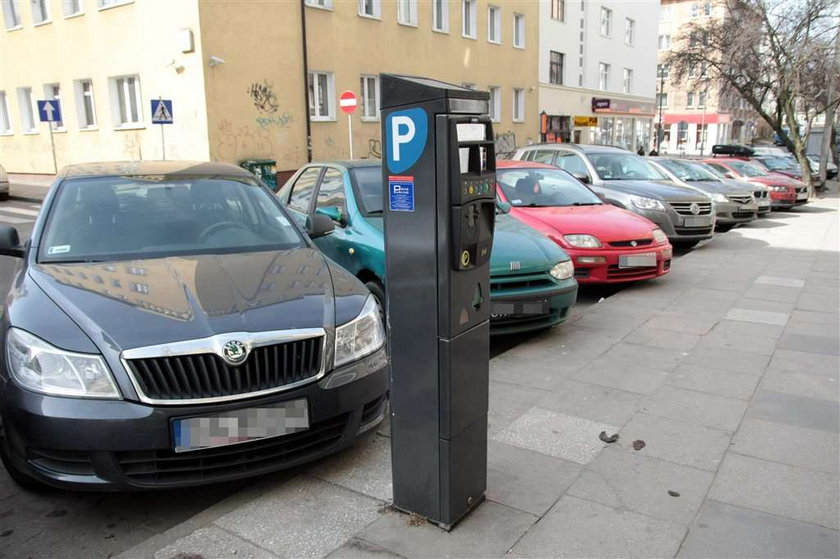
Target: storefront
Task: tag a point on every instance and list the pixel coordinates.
(623, 123)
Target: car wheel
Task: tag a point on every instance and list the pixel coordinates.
(379, 294)
(724, 228)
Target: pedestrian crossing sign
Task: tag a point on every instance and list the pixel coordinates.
(161, 111)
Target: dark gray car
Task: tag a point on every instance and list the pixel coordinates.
(628, 181)
(171, 325)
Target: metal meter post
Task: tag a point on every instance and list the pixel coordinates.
(440, 188)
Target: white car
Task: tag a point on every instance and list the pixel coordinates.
(830, 168)
(4, 184)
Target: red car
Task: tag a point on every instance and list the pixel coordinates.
(784, 191)
(607, 244)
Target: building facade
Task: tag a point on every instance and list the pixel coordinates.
(243, 80)
(695, 114)
(597, 64)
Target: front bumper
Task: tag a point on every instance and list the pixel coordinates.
(676, 227)
(111, 445)
(610, 272)
(732, 213)
(556, 298)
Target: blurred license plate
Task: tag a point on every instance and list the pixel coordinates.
(762, 203)
(803, 196)
(699, 221)
(502, 309)
(240, 426)
(637, 260)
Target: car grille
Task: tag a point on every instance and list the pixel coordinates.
(684, 208)
(639, 243)
(166, 467)
(206, 375)
(515, 282)
(693, 230)
(614, 272)
(529, 321)
(740, 199)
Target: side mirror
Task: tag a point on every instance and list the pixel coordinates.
(582, 177)
(334, 213)
(10, 242)
(318, 225)
(729, 175)
(503, 207)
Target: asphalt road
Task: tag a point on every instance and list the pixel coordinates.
(66, 524)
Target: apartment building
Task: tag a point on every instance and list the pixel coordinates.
(597, 64)
(694, 113)
(247, 79)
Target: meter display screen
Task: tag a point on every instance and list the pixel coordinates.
(471, 131)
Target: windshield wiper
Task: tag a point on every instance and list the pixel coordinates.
(374, 212)
(586, 204)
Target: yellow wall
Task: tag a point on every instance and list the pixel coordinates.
(135, 38)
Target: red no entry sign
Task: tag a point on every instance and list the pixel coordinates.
(348, 102)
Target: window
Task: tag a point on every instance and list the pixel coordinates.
(53, 91)
(558, 10)
(664, 42)
(440, 15)
(126, 104)
(85, 108)
(695, 10)
(72, 7)
(11, 16)
(519, 31)
(663, 70)
(27, 115)
(331, 193)
(370, 97)
(689, 99)
(701, 99)
(629, 32)
(407, 12)
(468, 17)
(495, 103)
(320, 3)
(518, 105)
(606, 22)
(5, 121)
(555, 68)
(665, 13)
(370, 8)
(682, 133)
(321, 96)
(707, 8)
(40, 12)
(111, 3)
(661, 99)
(572, 163)
(628, 81)
(494, 24)
(303, 188)
(603, 76)
(700, 136)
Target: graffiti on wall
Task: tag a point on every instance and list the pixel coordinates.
(279, 121)
(375, 148)
(263, 97)
(505, 143)
(239, 142)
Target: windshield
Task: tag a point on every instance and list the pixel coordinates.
(118, 218)
(369, 186)
(543, 187)
(716, 172)
(747, 169)
(685, 171)
(624, 166)
(774, 163)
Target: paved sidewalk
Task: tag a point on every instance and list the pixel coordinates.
(29, 187)
(727, 369)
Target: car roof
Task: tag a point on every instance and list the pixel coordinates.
(140, 168)
(513, 163)
(586, 148)
(350, 164)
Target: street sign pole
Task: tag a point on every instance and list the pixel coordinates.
(348, 102)
(52, 145)
(350, 132)
(162, 142)
(162, 114)
(49, 111)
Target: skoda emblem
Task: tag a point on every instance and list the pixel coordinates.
(694, 208)
(234, 352)
(633, 243)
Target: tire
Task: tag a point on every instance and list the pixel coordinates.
(684, 244)
(725, 228)
(379, 294)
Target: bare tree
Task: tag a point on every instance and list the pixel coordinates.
(777, 55)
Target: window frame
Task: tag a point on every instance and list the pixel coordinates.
(81, 106)
(471, 7)
(49, 94)
(664, 38)
(440, 8)
(552, 74)
(10, 8)
(44, 9)
(494, 19)
(108, 4)
(663, 97)
(518, 30)
(79, 12)
(319, 4)
(518, 114)
(364, 89)
(330, 116)
(495, 103)
(627, 82)
(604, 76)
(412, 13)
(4, 114)
(689, 99)
(630, 32)
(117, 110)
(606, 22)
(557, 10)
(25, 101)
(375, 6)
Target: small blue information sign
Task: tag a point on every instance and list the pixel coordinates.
(401, 194)
(49, 110)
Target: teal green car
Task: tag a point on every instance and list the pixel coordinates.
(532, 283)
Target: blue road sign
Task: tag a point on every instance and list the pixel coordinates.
(49, 110)
(405, 135)
(161, 111)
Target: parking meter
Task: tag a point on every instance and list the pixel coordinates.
(440, 190)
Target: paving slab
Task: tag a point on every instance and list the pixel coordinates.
(770, 305)
(799, 411)
(556, 434)
(697, 322)
(779, 281)
(788, 444)
(509, 401)
(826, 345)
(212, 542)
(542, 374)
(489, 531)
(677, 441)
(740, 342)
(824, 386)
(702, 408)
(811, 301)
(305, 517)
(360, 549)
(632, 481)
(365, 467)
(724, 530)
(725, 359)
(810, 328)
(779, 489)
(773, 293)
(815, 317)
(801, 361)
(617, 373)
(665, 339)
(759, 317)
(580, 528)
(527, 480)
(741, 328)
(592, 401)
(712, 381)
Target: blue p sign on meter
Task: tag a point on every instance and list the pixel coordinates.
(405, 133)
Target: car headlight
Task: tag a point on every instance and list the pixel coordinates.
(562, 270)
(646, 203)
(582, 241)
(361, 336)
(660, 237)
(719, 198)
(41, 367)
